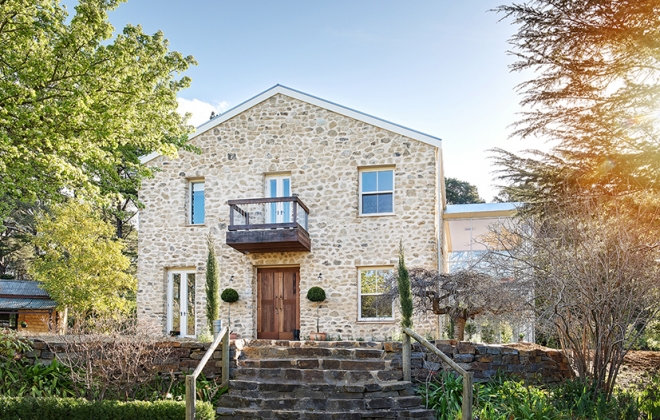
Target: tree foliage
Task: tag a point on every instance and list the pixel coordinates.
(405, 294)
(595, 94)
(79, 107)
(461, 192)
(594, 268)
(212, 285)
(462, 295)
(80, 262)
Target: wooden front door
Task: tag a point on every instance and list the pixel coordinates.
(278, 311)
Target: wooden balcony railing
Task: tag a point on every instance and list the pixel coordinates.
(276, 224)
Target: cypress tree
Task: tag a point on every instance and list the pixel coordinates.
(405, 294)
(212, 285)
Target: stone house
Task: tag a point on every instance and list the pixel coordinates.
(296, 192)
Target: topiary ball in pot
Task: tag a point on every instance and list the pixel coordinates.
(229, 295)
(316, 294)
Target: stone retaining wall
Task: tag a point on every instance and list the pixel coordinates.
(184, 356)
(485, 360)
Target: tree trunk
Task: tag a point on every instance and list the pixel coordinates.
(459, 328)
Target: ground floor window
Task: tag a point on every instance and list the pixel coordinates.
(181, 317)
(371, 286)
(9, 321)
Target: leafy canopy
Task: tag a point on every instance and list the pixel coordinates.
(595, 93)
(461, 192)
(79, 107)
(81, 264)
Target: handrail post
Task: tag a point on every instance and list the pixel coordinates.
(191, 396)
(407, 374)
(225, 360)
(466, 409)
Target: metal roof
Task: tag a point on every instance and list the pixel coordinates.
(26, 303)
(22, 288)
(481, 210)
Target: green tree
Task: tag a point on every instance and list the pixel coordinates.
(79, 107)
(405, 293)
(595, 93)
(461, 192)
(212, 285)
(80, 261)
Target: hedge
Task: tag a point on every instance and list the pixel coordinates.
(51, 408)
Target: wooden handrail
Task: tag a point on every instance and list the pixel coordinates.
(466, 408)
(191, 380)
(292, 199)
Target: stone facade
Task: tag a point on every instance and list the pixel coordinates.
(323, 152)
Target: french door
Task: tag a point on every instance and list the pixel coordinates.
(278, 309)
(181, 303)
(278, 186)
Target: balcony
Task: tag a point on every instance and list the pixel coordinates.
(258, 225)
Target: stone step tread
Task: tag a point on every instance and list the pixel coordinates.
(288, 375)
(253, 385)
(322, 403)
(317, 363)
(259, 352)
(313, 344)
(236, 413)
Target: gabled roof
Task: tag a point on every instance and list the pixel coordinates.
(314, 100)
(22, 288)
(24, 294)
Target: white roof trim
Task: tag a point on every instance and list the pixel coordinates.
(339, 109)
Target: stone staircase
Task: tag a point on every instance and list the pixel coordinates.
(319, 380)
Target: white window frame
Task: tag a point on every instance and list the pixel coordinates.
(360, 294)
(376, 169)
(183, 297)
(191, 184)
(277, 210)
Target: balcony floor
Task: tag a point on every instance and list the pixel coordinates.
(269, 240)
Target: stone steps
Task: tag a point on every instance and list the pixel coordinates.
(327, 376)
(236, 413)
(316, 363)
(319, 380)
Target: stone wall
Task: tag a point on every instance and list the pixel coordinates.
(184, 356)
(323, 152)
(483, 360)
(526, 361)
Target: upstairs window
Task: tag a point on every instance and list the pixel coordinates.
(197, 203)
(376, 191)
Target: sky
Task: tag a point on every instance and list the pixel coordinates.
(439, 67)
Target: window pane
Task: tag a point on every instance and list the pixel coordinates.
(369, 204)
(369, 181)
(369, 281)
(385, 203)
(385, 181)
(368, 310)
(176, 307)
(191, 304)
(197, 204)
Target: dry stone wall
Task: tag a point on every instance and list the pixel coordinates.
(486, 360)
(322, 152)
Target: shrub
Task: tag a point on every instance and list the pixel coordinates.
(80, 409)
(316, 294)
(444, 395)
(21, 378)
(229, 295)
